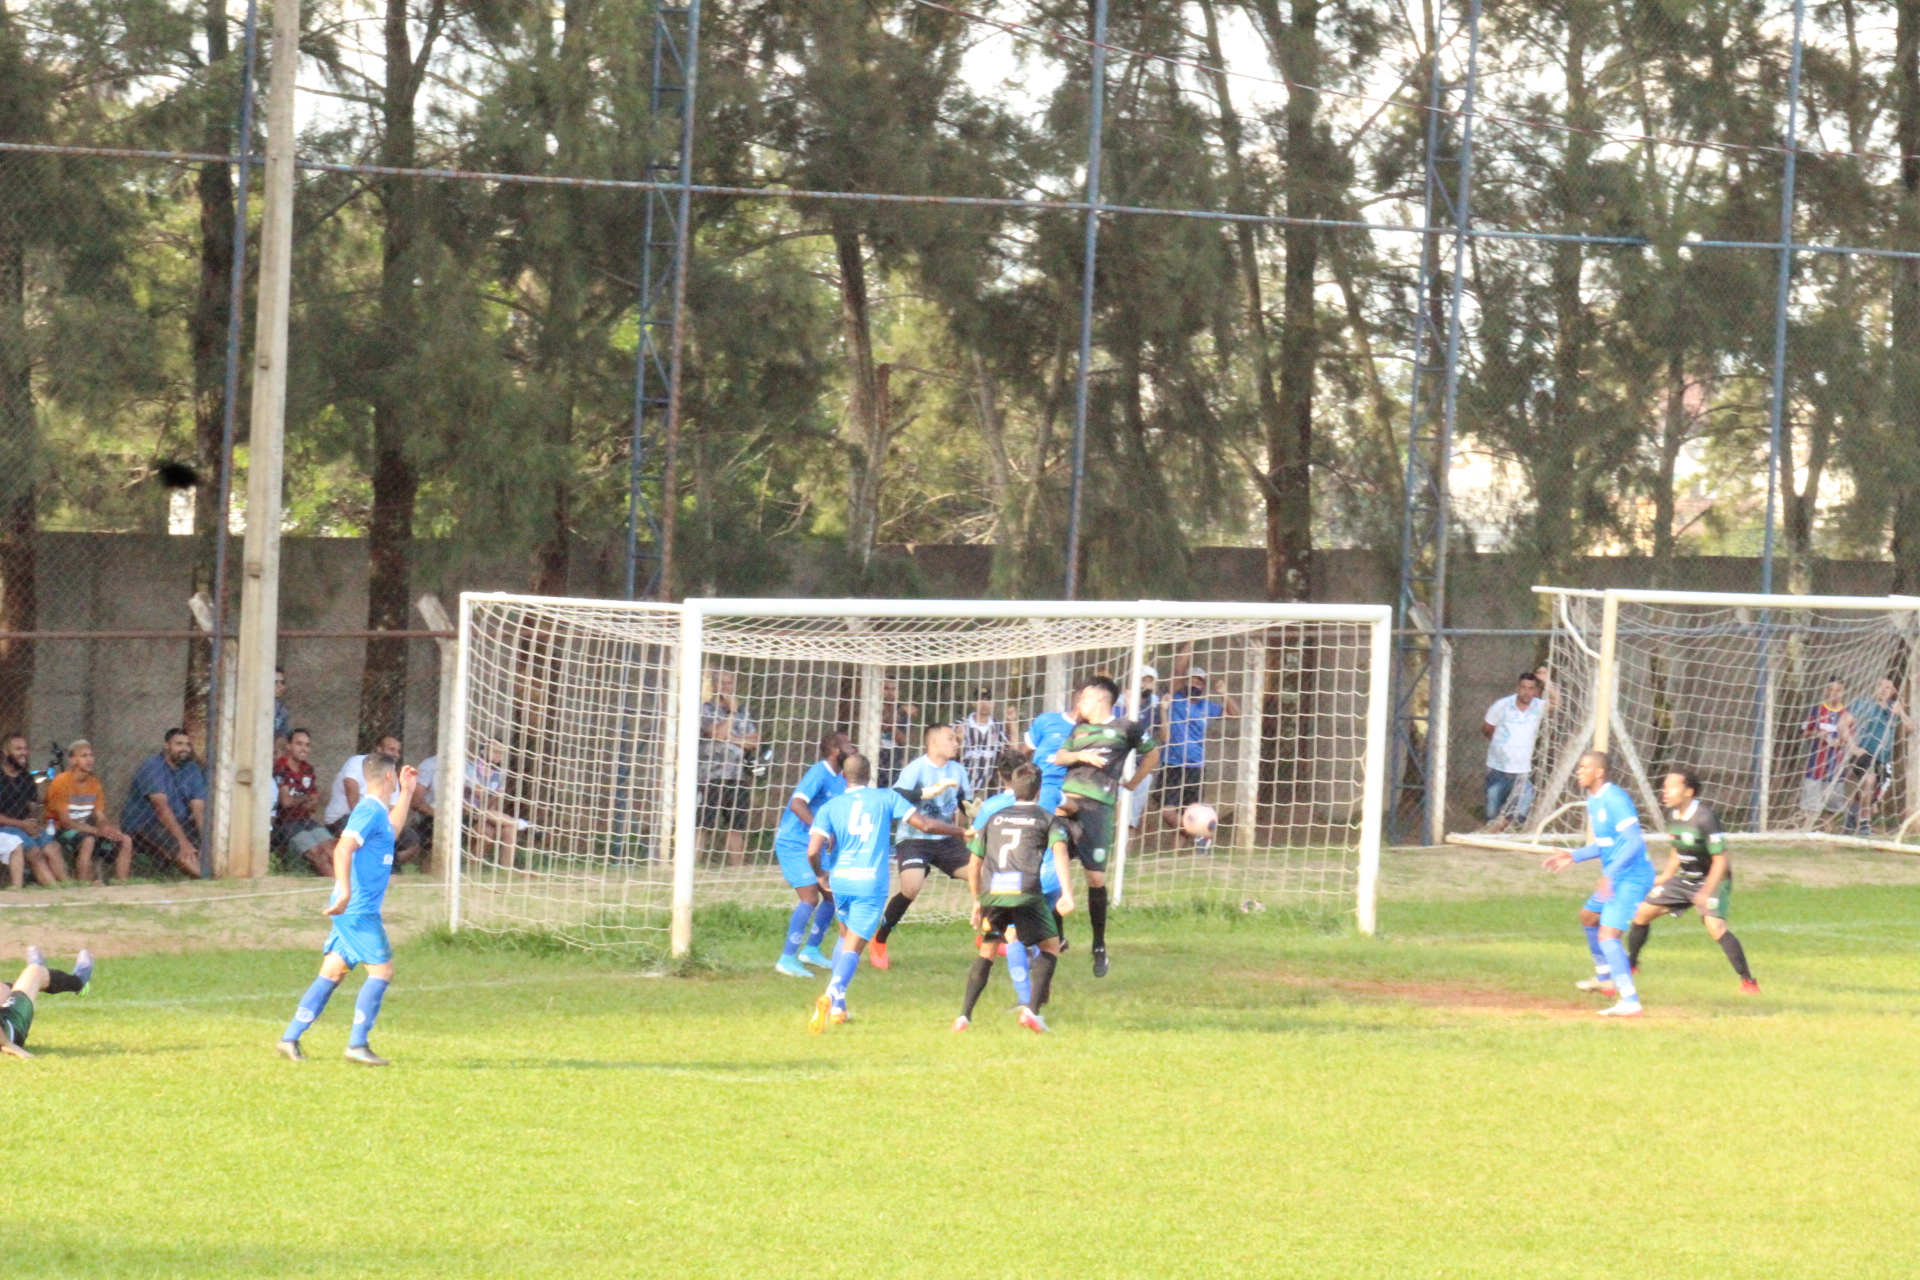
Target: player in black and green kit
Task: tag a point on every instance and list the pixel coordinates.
(1095, 754)
(1698, 875)
(16, 1001)
(1008, 904)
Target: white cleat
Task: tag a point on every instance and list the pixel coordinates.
(961, 1023)
(1603, 985)
(1625, 1009)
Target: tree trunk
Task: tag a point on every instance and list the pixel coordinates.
(1803, 501)
(19, 439)
(207, 336)
(1555, 482)
(993, 434)
(1673, 435)
(396, 484)
(1289, 497)
(864, 411)
(1904, 457)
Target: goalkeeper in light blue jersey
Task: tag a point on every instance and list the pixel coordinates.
(1621, 848)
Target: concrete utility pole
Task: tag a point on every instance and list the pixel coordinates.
(253, 791)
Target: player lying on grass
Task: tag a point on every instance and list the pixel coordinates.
(362, 865)
(1003, 876)
(815, 910)
(1622, 849)
(1021, 953)
(1095, 754)
(1698, 875)
(16, 1010)
(936, 784)
(858, 825)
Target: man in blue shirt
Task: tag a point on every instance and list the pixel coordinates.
(857, 825)
(166, 809)
(362, 865)
(821, 784)
(937, 784)
(1870, 756)
(1185, 716)
(1046, 735)
(1621, 848)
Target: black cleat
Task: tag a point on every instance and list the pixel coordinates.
(1099, 962)
(365, 1056)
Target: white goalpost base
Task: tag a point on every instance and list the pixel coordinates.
(1724, 685)
(598, 807)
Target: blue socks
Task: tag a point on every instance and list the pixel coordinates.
(797, 928)
(844, 963)
(1601, 966)
(365, 1010)
(1622, 969)
(310, 1006)
(822, 919)
(1017, 970)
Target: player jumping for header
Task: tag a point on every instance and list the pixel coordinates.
(16, 1009)
(1698, 875)
(821, 784)
(858, 824)
(1007, 855)
(362, 865)
(1095, 754)
(1622, 849)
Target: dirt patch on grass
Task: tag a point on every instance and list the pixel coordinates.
(176, 916)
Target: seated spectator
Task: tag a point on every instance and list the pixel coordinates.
(167, 805)
(77, 807)
(423, 806)
(296, 826)
(351, 783)
(24, 839)
(492, 823)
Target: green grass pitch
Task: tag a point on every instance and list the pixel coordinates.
(1242, 1097)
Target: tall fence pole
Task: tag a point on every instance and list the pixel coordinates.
(1096, 123)
(1776, 411)
(229, 417)
(676, 340)
(253, 790)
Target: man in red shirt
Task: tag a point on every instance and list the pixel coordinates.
(296, 828)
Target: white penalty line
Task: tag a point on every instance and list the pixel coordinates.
(548, 980)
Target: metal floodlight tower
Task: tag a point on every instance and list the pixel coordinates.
(1423, 655)
(665, 234)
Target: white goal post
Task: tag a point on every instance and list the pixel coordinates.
(1727, 685)
(622, 763)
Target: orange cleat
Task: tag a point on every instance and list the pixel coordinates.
(1748, 987)
(840, 1017)
(821, 1007)
(877, 953)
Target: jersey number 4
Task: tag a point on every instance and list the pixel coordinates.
(862, 827)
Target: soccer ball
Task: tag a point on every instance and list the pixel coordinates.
(1199, 821)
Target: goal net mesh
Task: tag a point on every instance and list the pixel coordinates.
(1734, 693)
(572, 729)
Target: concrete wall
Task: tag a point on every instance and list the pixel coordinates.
(123, 694)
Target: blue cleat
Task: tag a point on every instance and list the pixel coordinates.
(83, 969)
(791, 967)
(812, 956)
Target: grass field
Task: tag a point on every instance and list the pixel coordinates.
(1241, 1097)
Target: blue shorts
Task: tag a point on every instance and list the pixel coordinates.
(359, 940)
(1049, 798)
(862, 915)
(1627, 896)
(793, 865)
(1597, 901)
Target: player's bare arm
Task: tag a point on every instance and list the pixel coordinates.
(342, 873)
(932, 826)
(816, 845)
(1715, 875)
(1148, 764)
(403, 797)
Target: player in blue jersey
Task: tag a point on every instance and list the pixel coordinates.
(1046, 735)
(937, 783)
(1621, 848)
(851, 852)
(362, 865)
(821, 784)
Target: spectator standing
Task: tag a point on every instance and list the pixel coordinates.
(1511, 728)
(24, 840)
(282, 718)
(166, 807)
(1187, 712)
(296, 824)
(77, 807)
(982, 739)
(1149, 719)
(1870, 762)
(727, 735)
(1830, 728)
(350, 784)
(898, 721)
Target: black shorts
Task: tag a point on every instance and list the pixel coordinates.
(1031, 921)
(1860, 764)
(1092, 847)
(723, 806)
(1676, 895)
(947, 853)
(1178, 785)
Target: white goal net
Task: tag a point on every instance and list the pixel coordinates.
(1792, 710)
(625, 764)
